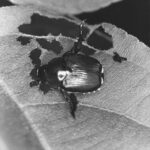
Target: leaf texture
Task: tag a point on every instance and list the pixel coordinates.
(115, 118)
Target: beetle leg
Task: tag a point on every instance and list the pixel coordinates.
(72, 101)
(118, 58)
(73, 104)
(78, 45)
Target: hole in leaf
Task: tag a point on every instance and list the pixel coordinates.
(35, 57)
(100, 39)
(87, 50)
(130, 15)
(42, 26)
(50, 46)
(44, 88)
(23, 40)
(5, 3)
(34, 76)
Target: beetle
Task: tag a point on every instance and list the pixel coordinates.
(71, 73)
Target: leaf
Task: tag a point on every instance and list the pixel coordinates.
(15, 130)
(68, 6)
(31, 120)
(7, 15)
(127, 84)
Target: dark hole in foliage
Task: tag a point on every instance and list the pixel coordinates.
(42, 26)
(100, 39)
(34, 76)
(44, 88)
(130, 15)
(23, 40)
(5, 3)
(118, 58)
(87, 50)
(35, 57)
(50, 46)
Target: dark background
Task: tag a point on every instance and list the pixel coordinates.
(130, 15)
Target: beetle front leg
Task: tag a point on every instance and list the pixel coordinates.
(78, 45)
(72, 101)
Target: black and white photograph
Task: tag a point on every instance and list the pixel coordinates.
(74, 75)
